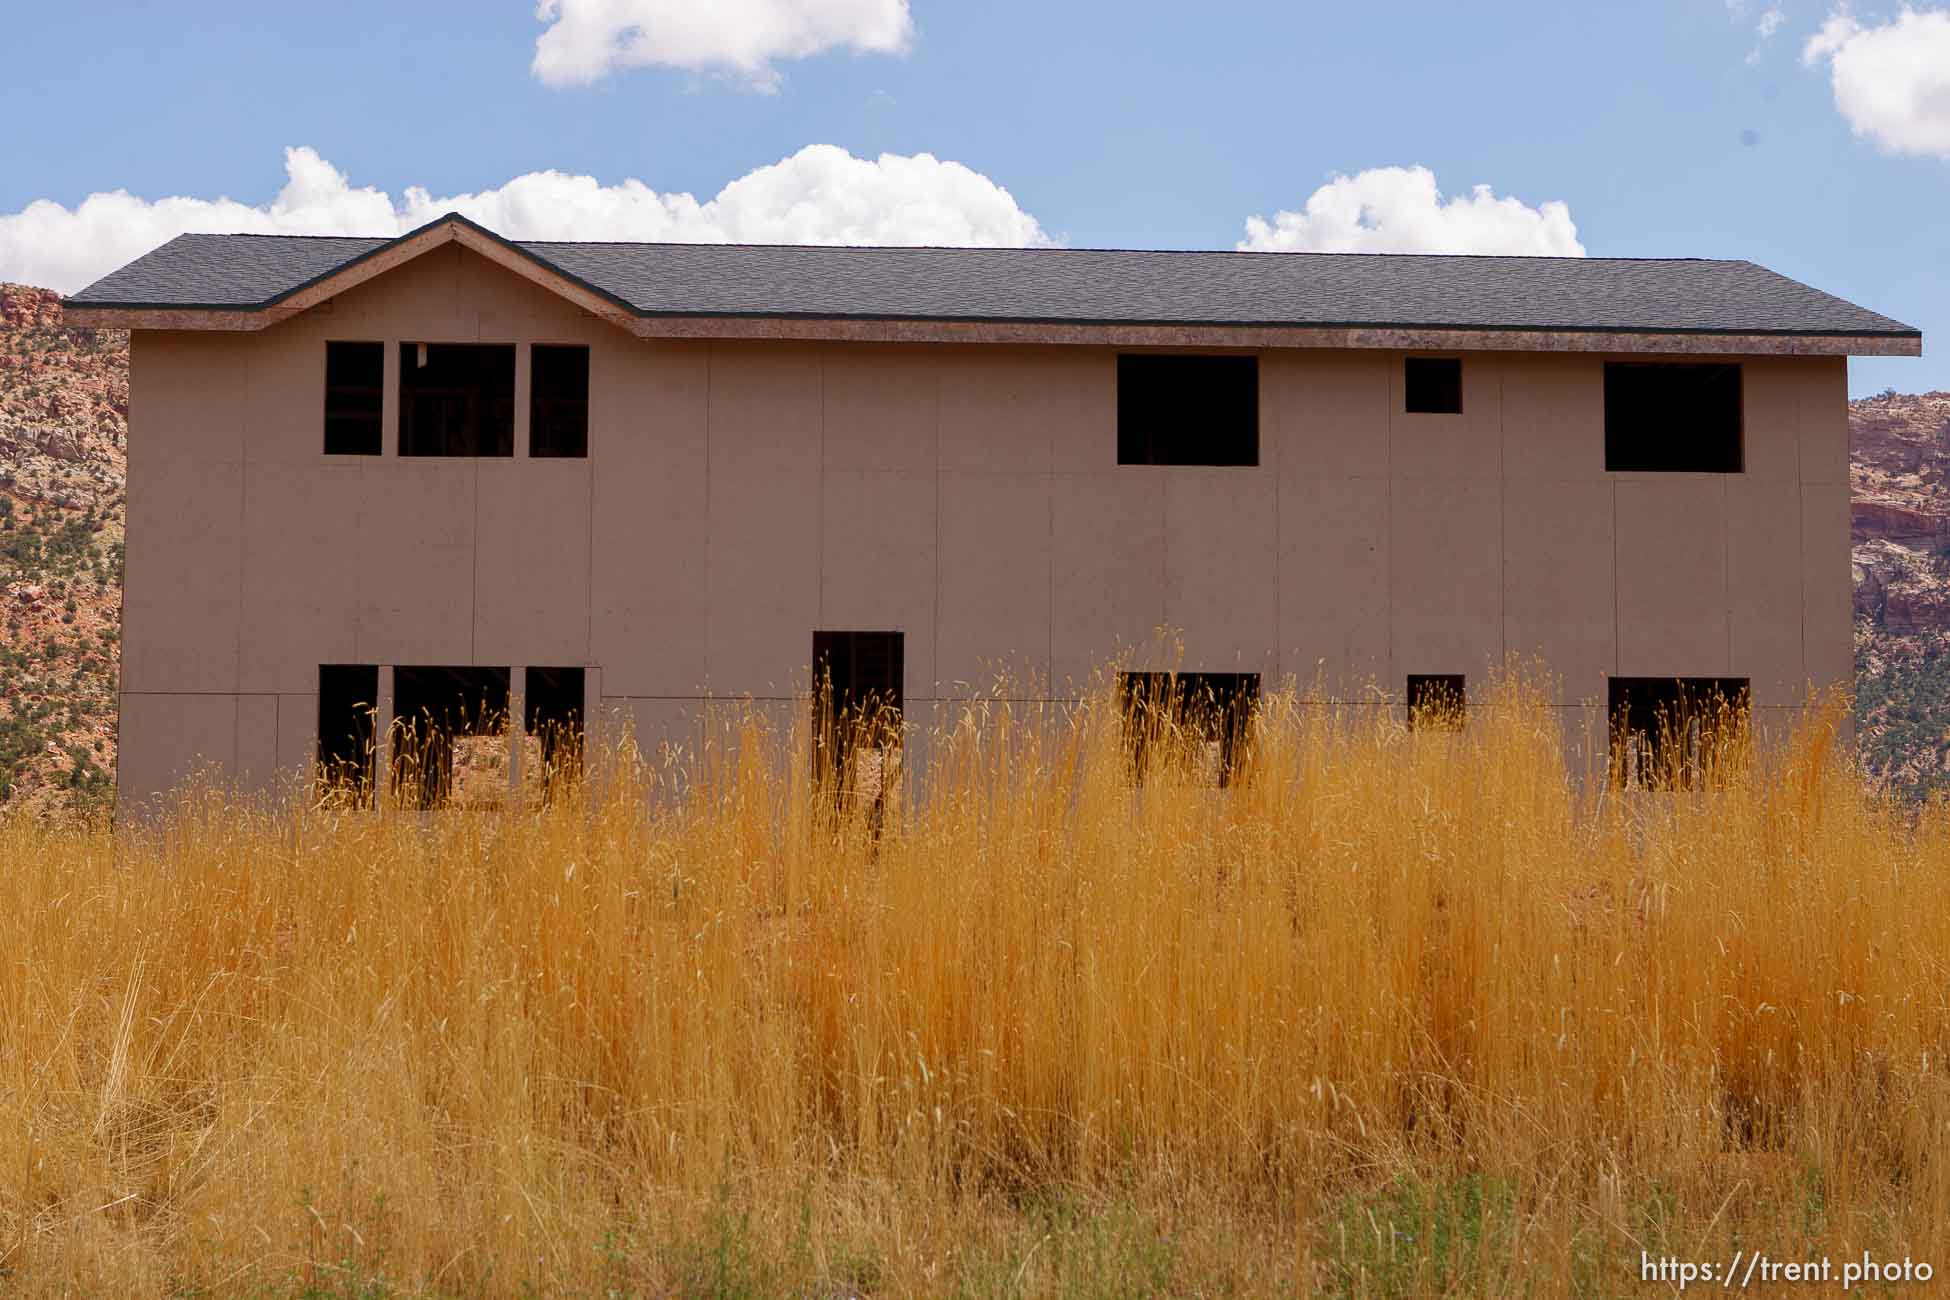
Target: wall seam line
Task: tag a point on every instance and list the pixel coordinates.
(1801, 421)
(243, 513)
(1617, 627)
(1726, 567)
(819, 506)
(710, 379)
(1801, 583)
(1165, 562)
(1279, 638)
(474, 591)
(589, 445)
(934, 599)
(1388, 523)
(1502, 543)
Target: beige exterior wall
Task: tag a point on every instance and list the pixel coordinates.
(738, 496)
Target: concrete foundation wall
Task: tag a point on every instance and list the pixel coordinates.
(738, 496)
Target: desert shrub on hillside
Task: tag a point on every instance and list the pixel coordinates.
(59, 578)
(1902, 707)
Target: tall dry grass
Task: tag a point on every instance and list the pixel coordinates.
(1395, 1013)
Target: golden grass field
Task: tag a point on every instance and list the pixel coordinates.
(1397, 1014)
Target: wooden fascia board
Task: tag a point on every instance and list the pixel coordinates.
(82, 316)
(1267, 337)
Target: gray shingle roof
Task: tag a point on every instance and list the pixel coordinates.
(1067, 286)
(240, 271)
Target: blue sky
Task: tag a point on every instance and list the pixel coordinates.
(1667, 129)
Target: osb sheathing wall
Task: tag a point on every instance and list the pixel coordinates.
(739, 495)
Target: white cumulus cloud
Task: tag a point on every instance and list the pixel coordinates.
(1891, 82)
(819, 195)
(587, 40)
(1400, 210)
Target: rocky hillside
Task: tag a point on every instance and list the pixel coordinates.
(64, 401)
(1899, 472)
(64, 404)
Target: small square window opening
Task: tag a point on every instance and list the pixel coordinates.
(1436, 701)
(1432, 385)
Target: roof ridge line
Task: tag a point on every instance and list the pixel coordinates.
(1173, 252)
(984, 248)
(273, 234)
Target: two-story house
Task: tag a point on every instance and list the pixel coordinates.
(615, 481)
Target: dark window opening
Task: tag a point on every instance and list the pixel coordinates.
(1432, 385)
(558, 402)
(355, 388)
(1669, 733)
(456, 399)
(1179, 410)
(348, 694)
(1435, 701)
(1204, 716)
(857, 702)
(552, 705)
(1672, 417)
(449, 736)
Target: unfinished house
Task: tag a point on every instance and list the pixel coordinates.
(489, 492)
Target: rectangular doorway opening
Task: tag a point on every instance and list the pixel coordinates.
(552, 709)
(450, 736)
(858, 699)
(1203, 717)
(348, 696)
(1671, 733)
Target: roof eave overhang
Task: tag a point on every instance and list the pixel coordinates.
(1099, 334)
(1431, 338)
